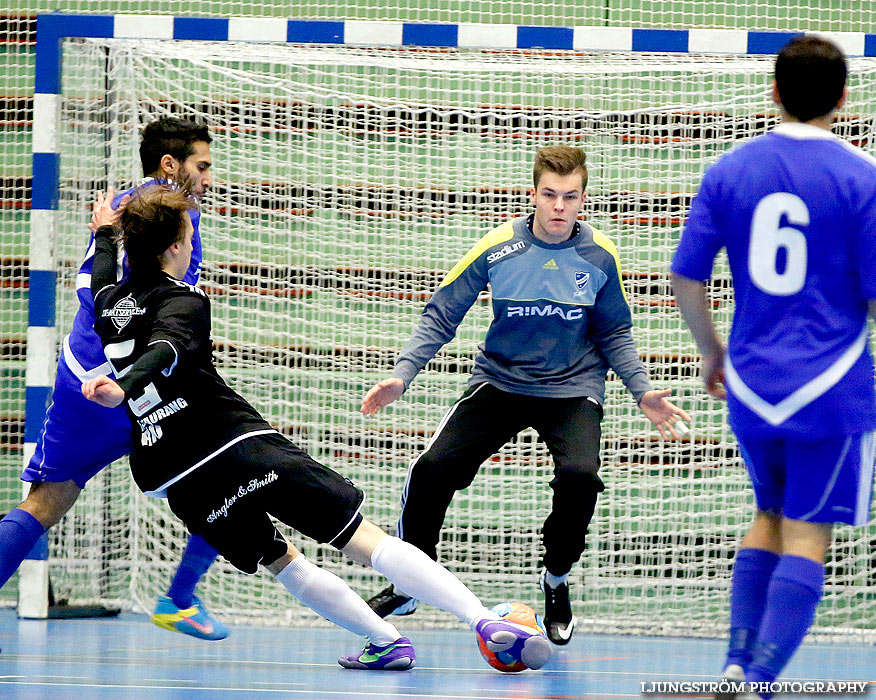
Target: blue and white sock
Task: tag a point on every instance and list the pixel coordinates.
(752, 571)
(793, 595)
(196, 559)
(19, 533)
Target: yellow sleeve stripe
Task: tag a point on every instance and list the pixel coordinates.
(603, 241)
(497, 235)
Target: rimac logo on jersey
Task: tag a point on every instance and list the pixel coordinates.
(122, 313)
(546, 310)
(581, 279)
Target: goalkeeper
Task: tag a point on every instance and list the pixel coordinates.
(222, 467)
(560, 320)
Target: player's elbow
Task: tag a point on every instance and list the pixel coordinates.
(686, 290)
(679, 281)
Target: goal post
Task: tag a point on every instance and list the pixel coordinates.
(349, 178)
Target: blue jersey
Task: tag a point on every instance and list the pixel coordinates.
(83, 352)
(560, 317)
(796, 211)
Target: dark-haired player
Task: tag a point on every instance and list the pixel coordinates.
(796, 211)
(80, 438)
(224, 470)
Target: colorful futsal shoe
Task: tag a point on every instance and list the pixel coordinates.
(558, 620)
(392, 602)
(398, 656)
(194, 621)
(513, 643)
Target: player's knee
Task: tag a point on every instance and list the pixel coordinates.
(361, 542)
(432, 473)
(426, 466)
(48, 502)
(806, 539)
(577, 484)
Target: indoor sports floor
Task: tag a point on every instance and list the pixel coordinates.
(126, 658)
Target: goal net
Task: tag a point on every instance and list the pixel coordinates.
(348, 181)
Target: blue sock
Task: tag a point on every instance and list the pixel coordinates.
(19, 533)
(751, 576)
(793, 595)
(196, 559)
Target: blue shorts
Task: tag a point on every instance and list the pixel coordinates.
(79, 437)
(826, 480)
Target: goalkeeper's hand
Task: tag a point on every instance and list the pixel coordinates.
(668, 417)
(382, 394)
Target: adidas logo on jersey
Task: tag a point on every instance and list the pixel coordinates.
(550, 265)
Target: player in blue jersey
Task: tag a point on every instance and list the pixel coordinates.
(795, 210)
(79, 438)
(560, 320)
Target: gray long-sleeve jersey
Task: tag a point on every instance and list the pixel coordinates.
(560, 317)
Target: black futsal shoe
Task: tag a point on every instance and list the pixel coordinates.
(558, 620)
(392, 602)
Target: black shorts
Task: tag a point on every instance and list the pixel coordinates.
(228, 501)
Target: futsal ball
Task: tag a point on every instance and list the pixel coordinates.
(537, 648)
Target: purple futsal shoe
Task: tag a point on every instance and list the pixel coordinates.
(512, 647)
(398, 656)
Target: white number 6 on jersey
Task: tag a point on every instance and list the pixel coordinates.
(767, 237)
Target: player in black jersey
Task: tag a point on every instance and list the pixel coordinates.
(222, 467)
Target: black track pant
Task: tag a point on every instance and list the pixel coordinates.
(477, 425)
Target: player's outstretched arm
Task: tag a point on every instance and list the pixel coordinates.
(668, 417)
(382, 394)
(104, 391)
(690, 295)
(438, 323)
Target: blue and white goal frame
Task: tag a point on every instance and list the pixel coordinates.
(51, 29)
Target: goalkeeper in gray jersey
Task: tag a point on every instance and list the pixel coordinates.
(560, 320)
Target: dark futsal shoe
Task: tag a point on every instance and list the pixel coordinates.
(558, 620)
(392, 602)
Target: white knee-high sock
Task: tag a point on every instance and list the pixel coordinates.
(329, 596)
(418, 576)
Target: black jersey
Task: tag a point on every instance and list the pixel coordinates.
(156, 335)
